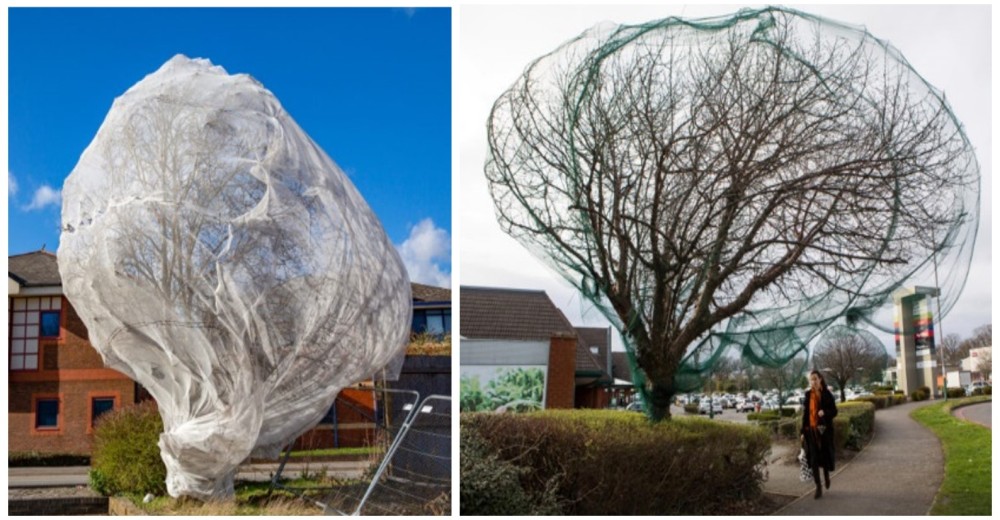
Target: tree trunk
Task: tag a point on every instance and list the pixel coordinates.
(660, 398)
(843, 395)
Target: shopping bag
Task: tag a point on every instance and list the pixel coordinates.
(805, 474)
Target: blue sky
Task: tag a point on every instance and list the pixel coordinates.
(371, 86)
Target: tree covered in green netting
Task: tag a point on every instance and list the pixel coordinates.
(732, 184)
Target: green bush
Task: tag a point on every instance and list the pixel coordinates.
(598, 462)
(23, 459)
(880, 401)
(767, 415)
(691, 408)
(854, 422)
(919, 395)
(789, 428)
(955, 393)
(491, 486)
(988, 390)
(125, 457)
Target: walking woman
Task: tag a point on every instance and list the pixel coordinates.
(817, 429)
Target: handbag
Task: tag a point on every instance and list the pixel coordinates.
(805, 473)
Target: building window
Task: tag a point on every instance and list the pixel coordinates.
(31, 319)
(47, 414)
(432, 321)
(100, 406)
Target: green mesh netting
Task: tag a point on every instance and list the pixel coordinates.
(733, 185)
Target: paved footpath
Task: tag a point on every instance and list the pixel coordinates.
(898, 473)
(981, 413)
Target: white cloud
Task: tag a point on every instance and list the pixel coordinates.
(45, 196)
(423, 253)
(11, 185)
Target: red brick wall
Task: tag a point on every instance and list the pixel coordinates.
(562, 367)
(592, 398)
(72, 371)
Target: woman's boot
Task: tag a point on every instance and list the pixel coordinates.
(819, 487)
(826, 476)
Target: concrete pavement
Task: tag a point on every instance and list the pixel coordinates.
(898, 473)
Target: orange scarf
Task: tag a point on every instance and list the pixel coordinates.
(814, 409)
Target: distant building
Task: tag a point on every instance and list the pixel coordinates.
(57, 384)
(978, 357)
(519, 351)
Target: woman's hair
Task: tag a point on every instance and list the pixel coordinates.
(822, 380)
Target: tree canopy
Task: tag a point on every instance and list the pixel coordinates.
(731, 183)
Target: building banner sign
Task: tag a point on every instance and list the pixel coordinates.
(487, 388)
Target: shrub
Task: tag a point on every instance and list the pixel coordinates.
(880, 401)
(691, 408)
(789, 428)
(600, 461)
(491, 486)
(919, 395)
(125, 457)
(767, 415)
(854, 422)
(955, 393)
(21, 459)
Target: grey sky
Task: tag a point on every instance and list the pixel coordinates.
(949, 46)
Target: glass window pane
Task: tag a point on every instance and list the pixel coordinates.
(17, 346)
(32, 304)
(31, 346)
(435, 324)
(17, 362)
(56, 302)
(45, 302)
(47, 413)
(32, 318)
(20, 304)
(20, 317)
(50, 324)
(419, 321)
(31, 362)
(31, 331)
(100, 406)
(17, 332)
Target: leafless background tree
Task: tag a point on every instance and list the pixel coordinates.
(691, 180)
(845, 357)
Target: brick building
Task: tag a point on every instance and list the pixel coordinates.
(506, 330)
(57, 385)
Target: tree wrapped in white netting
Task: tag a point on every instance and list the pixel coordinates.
(221, 259)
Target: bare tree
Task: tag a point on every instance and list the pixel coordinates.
(787, 377)
(985, 365)
(844, 357)
(953, 354)
(691, 189)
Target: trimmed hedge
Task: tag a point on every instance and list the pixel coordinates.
(854, 422)
(882, 401)
(27, 459)
(986, 390)
(599, 462)
(955, 393)
(491, 486)
(691, 408)
(126, 458)
(918, 395)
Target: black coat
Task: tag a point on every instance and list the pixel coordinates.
(820, 446)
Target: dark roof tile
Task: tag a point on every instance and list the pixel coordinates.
(37, 268)
(514, 314)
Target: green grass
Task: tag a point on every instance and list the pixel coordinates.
(334, 452)
(968, 459)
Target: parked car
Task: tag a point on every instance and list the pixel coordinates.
(974, 385)
(745, 406)
(705, 403)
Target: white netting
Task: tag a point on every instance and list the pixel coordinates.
(222, 260)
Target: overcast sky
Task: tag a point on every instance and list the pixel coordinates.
(948, 46)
